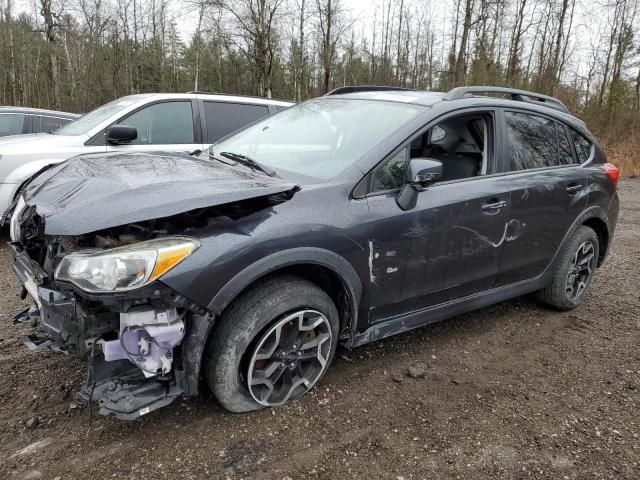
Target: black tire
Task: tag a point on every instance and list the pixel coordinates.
(244, 322)
(556, 294)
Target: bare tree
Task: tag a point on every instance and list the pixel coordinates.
(256, 21)
(50, 24)
(459, 65)
(332, 26)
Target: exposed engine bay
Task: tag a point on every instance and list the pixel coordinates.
(143, 345)
(131, 340)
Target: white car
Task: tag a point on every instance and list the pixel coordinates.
(145, 122)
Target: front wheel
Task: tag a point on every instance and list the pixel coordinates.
(573, 271)
(272, 344)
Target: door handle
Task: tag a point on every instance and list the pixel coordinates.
(493, 205)
(574, 188)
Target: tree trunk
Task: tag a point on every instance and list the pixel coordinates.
(399, 48)
(50, 35)
(300, 79)
(460, 64)
(514, 46)
(12, 68)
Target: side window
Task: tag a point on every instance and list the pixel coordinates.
(11, 124)
(225, 118)
(533, 141)
(462, 143)
(584, 147)
(564, 148)
(162, 124)
(47, 124)
(391, 175)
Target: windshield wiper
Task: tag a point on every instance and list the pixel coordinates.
(249, 162)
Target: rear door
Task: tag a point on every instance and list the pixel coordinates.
(222, 118)
(548, 192)
(170, 125)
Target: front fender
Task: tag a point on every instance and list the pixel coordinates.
(15, 182)
(286, 258)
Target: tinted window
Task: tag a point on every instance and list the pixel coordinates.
(162, 124)
(582, 145)
(11, 124)
(224, 118)
(564, 147)
(47, 124)
(533, 141)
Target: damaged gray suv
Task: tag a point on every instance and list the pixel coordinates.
(342, 220)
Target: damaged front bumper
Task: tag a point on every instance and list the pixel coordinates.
(143, 348)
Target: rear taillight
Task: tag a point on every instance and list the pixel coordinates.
(612, 172)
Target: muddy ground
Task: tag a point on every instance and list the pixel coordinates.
(511, 391)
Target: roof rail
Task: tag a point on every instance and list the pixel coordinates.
(367, 88)
(201, 92)
(518, 95)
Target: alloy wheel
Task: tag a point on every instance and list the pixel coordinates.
(289, 358)
(580, 270)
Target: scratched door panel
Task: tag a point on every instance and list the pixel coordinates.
(545, 211)
(448, 247)
(389, 249)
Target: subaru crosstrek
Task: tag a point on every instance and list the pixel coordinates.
(341, 220)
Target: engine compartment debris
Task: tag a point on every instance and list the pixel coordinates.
(137, 343)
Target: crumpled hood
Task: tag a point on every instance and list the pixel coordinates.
(93, 192)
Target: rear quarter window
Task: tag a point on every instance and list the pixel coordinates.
(584, 147)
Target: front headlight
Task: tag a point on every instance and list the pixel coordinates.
(125, 268)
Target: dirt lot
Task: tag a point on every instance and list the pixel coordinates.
(511, 391)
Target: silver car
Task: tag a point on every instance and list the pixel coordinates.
(23, 120)
(145, 122)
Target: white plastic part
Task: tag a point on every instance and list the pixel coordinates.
(149, 337)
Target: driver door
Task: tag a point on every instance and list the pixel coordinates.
(448, 246)
(167, 126)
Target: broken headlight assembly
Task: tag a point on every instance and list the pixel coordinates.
(124, 268)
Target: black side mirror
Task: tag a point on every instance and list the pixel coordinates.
(420, 173)
(121, 134)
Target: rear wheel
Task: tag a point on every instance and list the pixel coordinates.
(272, 344)
(574, 270)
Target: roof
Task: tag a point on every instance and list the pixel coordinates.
(38, 111)
(462, 96)
(222, 97)
(418, 97)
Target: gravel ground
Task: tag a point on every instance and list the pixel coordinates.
(511, 391)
